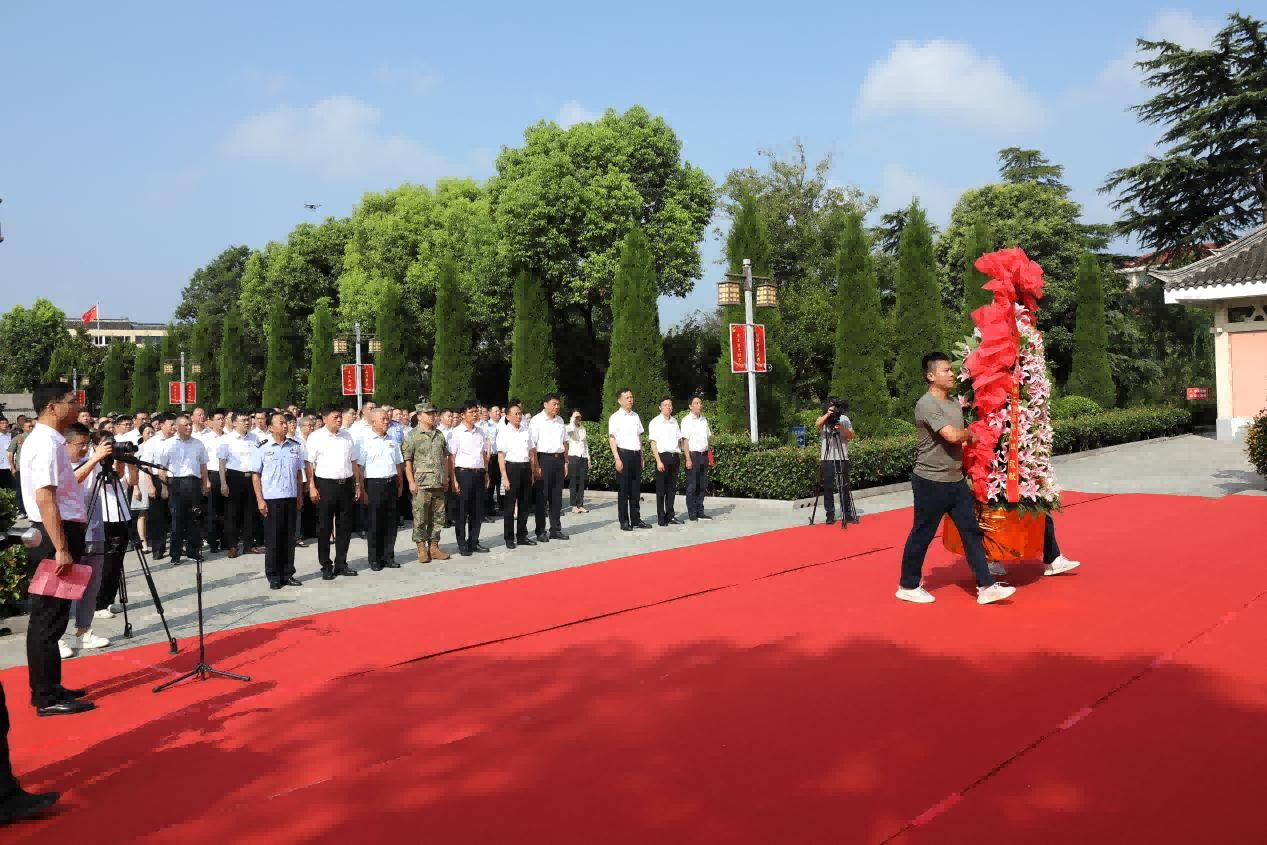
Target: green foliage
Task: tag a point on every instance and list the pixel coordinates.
(281, 358)
(1123, 425)
(391, 375)
(8, 509)
(532, 363)
(324, 376)
(28, 337)
(453, 368)
(145, 378)
(691, 349)
(637, 350)
(919, 312)
(1091, 375)
(202, 348)
(1256, 443)
(977, 244)
(858, 373)
(214, 288)
(114, 398)
(1019, 167)
(233, 376)
(1073, 407)
(13, 561)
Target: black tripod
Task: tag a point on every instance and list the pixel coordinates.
(107, 479)
(835, 446)
(203, 669)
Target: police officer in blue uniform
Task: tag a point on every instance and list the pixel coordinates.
(278, 462)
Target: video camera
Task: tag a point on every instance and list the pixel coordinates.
(835, 406)
(124, 450)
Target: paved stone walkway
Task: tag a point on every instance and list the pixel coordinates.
(235, 592)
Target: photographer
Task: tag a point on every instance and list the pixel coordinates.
(833, 455)
(112, 504)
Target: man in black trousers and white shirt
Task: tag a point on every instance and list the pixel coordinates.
(624, 436)
(547, 435)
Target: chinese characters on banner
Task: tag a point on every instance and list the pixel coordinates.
(739, 348)
(349, 379)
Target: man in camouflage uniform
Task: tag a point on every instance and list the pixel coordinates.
(426, 468)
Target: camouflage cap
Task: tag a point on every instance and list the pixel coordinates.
(425, 407)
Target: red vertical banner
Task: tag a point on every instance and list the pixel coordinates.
(367, 378)
(173, 393)
(758, 348)
(1013, 443)
(191, 393)
(349, 379)
(738, 349)
(80, 398)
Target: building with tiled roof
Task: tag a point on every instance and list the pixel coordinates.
(118, 328)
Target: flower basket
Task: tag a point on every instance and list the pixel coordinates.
(1006, 534)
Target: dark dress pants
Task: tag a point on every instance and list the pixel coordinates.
(518, 496)
(335, 510)
(629, 481)
(696, 483)
(827, 470)
(112, 563)
(933, 500)
(380, 534)
(550, 492)
(8, 783)
(48, 619)
(213, 514)
(241, 511)
(159, 518)
(666, 486)
(1051, 549)
(279, 539)
(578, 472)
(495, 500)
(185, 495)
(470, 506)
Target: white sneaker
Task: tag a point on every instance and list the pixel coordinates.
(91, 640)
(918, 595)
(1060, 565)
(65, 650)
(994, 592)
(103, 614)
(997, 569)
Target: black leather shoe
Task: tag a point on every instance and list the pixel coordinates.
(641, 524)
(543, 538)
(24, 805)
(391, 564)
(703, 516)
(345, 572)
(526, 541)
(292, 582)
(831, 520)
(175, 561)
(673, 520)
(625, 526)
(327, 575)
(694, 517)
(73, 693)
(158, 555)
(275, 586)
(66, 707)
(376, 567)
(663, 523)
(558, 535)
(464, 551)
(510, 544)
(481, 548)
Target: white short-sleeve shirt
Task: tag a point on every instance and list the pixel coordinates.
(212, 441)
(467, 447)
(666, 434)
(546, 435)
(514, 444)
(331, 455)
(236, 452)
(45, 463)
(184, 458)
(696, 431)
(627, 429)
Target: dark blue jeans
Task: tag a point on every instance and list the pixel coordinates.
(1051, 550)
(933, 500)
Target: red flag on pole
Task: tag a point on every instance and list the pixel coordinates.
(89, 315)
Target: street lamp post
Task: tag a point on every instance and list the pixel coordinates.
(169, 366)
(341, 348)
(766, 297)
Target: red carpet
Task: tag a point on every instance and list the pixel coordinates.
(767, 689)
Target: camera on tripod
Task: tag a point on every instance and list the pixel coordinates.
(834, 406)
(124, 450)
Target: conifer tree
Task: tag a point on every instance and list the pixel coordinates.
(1091, 375)
(453, 367)
(233, 391)
(533, 372)
(636, 358)
(145, 378)
(280, 368)
(858, 373)
(978, 243)
(114, 398)
(202, 348)
(391, 374)
(918, 324)
(170, 351)
(325, 384)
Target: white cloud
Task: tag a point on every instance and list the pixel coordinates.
(573, 113)
(1179, 26)
(898, 186)
(950, 81)
(339, 137)
(421, 81)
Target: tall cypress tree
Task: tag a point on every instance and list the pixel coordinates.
(533, 371)
(637, 349)
(170, 353)
(202, 349)
(977, 244)
(145, 378)
(858, 372)
(114, 398)
(324, 380)
(1091, 375)
(233, 391)
(918, 311)
(391, 376)
(279, 371)
(453, 367)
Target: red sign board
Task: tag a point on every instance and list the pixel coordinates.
(173, 393)
(349, 379)
(738, 348)
(1198, 393)
(367, 378)
(191, 393)
(758, 348)
(80, 398)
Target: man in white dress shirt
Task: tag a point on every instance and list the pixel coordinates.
(334, 484)
(492, 427)
(158, 521)
(382, 467)
(468, 450)
(695, 433)
(624, 436)
(139, 419)
(514, 455)
(185, 472)
(666, 448)
(241, 510)
(213, 506)
(547, 434)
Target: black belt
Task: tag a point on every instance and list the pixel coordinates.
(350, 478)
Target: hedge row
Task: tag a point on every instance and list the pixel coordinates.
(770, 470)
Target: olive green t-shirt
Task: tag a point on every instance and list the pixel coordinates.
(935, 459)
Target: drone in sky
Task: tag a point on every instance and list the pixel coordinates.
(312, 206)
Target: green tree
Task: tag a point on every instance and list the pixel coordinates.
(532, 364)
(919, 312)
(234, 393)
(114, 398)
(28, 337)
(202, 349)
(691, 349)
(145, 378)
(324, 378)
(1092, 376)
(858, 373)
(1211, 182)
(391, 376)
(1019, 167)
(279, 375)
(168, 356)
(60, 364)
(215, 287)
(453, 368)
(977, 244)
(637, 350)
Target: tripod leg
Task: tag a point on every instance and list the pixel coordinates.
(158, 603)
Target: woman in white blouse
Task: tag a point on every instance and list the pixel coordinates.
(578, 462)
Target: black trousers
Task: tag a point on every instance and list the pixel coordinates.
(550, 492)
(696, 483)
(1051, 549)
(337, 510)
(241, 512)
(450, 507)
(470, 506)
(933, 500)
(380, 534)
(8, 783)
(518, 496)
(159, 520)
(578, 472)
(827, 470)
(213, 513)
(495, 500)
(629, 484)
(112, 563)
(666, 486)
(48, 619)
(279, 539)
(185, 497)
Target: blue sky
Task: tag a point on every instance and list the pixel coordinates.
(137, 140)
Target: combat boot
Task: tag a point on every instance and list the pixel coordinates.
(424, 551)
(436, 553)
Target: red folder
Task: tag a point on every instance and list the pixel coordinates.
(48, 583)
